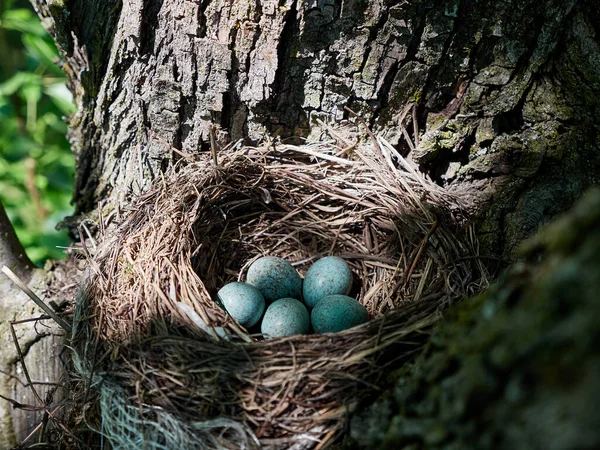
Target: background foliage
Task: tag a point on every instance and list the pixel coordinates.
(36, 164)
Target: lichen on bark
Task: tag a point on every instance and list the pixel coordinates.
(506, 93)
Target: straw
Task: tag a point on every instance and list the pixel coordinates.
(168, 367)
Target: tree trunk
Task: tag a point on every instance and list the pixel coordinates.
(505, 94)
(518, 367)
(501, 97)
(39, 345)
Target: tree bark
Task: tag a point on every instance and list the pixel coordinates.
(516, 367)
(12, 253)
(39, 344)
(505, 93)
(502, 97)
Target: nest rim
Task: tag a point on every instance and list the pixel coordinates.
(355, 347)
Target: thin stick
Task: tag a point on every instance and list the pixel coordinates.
(162, 141)
(325, 156)
(25, 372)
(334, 134)
(25, 407)
(89, 233)
(327, 438)
(37, 428)
(419, 251)
(47, 414)
(38, 301)
(402, 114)
(213, 144)
(407, 138)
(343, 152)
(369, 132)
(415, 125)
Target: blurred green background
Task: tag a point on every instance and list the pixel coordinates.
(36, 163)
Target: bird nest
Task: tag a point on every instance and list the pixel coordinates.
(165, 365)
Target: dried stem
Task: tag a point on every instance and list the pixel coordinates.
(201, 226)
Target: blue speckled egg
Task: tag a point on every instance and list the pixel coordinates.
(337, 313)
(285, 317)
(328, 276)
(243, 302)
(275, 278)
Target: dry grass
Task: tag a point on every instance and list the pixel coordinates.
(156, 363)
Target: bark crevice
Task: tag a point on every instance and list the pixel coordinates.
(481, 74)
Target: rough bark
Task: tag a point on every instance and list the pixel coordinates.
(506, 96)
(12, 253)
(517, 367)
(506, 93)
(39, 344)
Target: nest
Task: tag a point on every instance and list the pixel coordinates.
(168, 368)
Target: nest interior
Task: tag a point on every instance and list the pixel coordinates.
(169, 368)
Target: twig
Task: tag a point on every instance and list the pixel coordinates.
(345, 150)
(38, 301)
(162, 141)
(37, 428)
(324, 156)
(140, 164)
(33, 190)
(23, 406)
(419, 251)
(407, 138)
(370, 133)
(47, 414)
(415, 125)
(327, 438)
(213, 144)
(401, 116)
(89, 233)
(25, 371)
(336, 135)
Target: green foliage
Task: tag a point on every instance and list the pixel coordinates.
(36, 164)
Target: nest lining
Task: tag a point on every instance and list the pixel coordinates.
(198, 229)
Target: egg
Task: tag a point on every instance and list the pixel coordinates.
(337, 313)
(285, 317)
(275, 278)
(328, 276)
(244, 302)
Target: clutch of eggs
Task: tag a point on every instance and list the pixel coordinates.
(273, 284)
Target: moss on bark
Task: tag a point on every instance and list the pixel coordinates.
(516, 367)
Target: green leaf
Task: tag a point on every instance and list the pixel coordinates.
(31, 92)
(33, 99)
(61, 97)
(43, 50)
(22, 20)
(14, 83)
